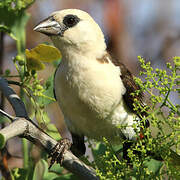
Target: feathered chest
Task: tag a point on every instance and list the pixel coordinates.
(87, 89)
(89, 81)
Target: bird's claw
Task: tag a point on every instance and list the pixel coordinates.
(58, 151)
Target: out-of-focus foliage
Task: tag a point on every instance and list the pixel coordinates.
(14, 5)
(13, 19)
(41, 171)
(14, 24)
(162, 138)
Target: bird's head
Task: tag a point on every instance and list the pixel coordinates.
(73, 30)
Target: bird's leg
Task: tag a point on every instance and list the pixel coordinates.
(78, 147)
(57, 153)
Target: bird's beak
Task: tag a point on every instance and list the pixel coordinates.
(49, 27)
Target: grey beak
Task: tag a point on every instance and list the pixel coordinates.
(49, 27)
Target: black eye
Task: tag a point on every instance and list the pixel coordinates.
(71, 20)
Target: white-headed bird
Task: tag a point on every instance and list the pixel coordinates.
(92, 89)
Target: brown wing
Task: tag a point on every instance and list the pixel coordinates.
(130, 86)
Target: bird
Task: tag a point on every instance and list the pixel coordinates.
(93, 90)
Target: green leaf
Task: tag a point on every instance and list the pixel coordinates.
(4, 119)
(50, 176)
(2, 141)
(54, 172)
(56, 63)
(42, 117)
(118, 148)
(40, 170)
(99, 150)
(56, 168)
(49, 86)
(14, 23)
(53, 131)
(154, 166)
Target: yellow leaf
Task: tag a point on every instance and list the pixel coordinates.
(44, 53)
(33, 64)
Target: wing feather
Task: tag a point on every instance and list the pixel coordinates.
(130, 85)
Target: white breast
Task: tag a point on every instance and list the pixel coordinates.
(90, 96)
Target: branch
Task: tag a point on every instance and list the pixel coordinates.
(24, 127)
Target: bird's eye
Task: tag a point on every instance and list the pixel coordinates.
(70, 20)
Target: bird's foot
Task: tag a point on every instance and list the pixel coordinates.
(57, 153)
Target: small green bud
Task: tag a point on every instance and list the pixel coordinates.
(39, 87)
(177, 61)
(18, 58)
(157, 70)
(169, 66)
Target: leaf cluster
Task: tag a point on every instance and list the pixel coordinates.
(14, 5)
